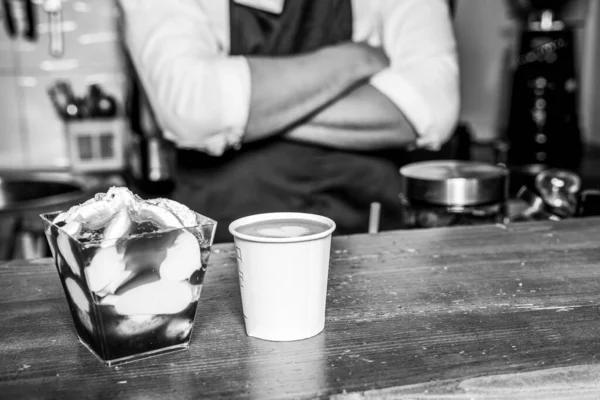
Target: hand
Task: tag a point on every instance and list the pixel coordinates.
(378, 56)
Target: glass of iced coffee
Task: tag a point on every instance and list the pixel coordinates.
(132, 271)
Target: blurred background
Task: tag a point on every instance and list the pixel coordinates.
(486, 31)
(75, 52)
(32, 134)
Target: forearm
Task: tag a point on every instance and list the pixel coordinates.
(286, 90)
(363, 119)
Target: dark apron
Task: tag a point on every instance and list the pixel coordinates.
(276, 175)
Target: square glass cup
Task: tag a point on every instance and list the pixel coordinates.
(136, 296)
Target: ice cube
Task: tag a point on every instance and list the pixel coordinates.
(160, 216)
(94, 214)
(156, 298)
(186, 216)
(118, 226)
(106, 267)
(67, 215)
(72, 228)
(86, 320)
(196, 290)
(97, 212)
(137, 324)
(81, 303)
(121, 197)
(183, 258)
(179, 328)
(102, 210)
(140, 279)
(115, 284)
(64, 245)
(77, 295)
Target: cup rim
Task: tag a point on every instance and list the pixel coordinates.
(281, 215)
(202, 221)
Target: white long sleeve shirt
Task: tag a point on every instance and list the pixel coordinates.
(201, 95)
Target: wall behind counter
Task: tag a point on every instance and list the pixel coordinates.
(32, 135)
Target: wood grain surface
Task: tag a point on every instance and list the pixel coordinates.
(410, 314)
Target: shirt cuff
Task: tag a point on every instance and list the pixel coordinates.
(234, 75)
(232, 100)
(216, 145)
(409, 100)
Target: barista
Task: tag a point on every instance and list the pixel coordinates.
(295, 105)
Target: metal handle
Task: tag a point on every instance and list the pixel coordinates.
(54, 10)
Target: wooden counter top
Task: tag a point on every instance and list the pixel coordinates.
(469, 312)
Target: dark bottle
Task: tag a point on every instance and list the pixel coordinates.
(152, 157)
(543, 123)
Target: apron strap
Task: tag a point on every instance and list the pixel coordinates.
(302, 26)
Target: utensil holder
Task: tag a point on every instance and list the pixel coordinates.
(96, 145)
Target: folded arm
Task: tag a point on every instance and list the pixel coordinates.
(362, 119)
(286, 90)
(207, 100)
(415, 99)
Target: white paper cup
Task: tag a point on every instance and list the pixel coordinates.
(283, 281)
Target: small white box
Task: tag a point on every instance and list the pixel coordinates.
(97, 145)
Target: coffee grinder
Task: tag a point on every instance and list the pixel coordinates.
(543, 122)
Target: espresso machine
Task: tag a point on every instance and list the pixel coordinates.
(543, 128)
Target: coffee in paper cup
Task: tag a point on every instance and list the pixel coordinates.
(283, 265)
